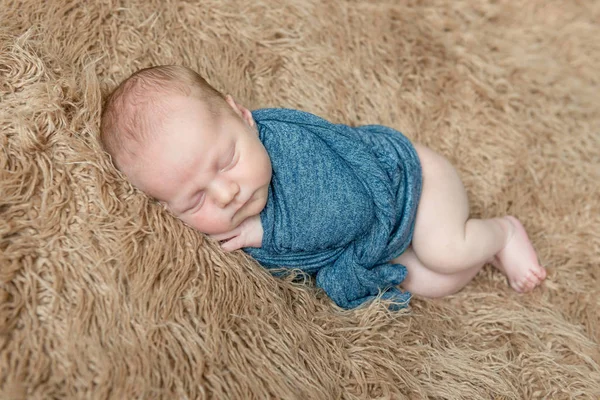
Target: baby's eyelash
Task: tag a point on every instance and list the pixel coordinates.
(196, 204)
(231, 162)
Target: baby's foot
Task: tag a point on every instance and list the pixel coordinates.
(518, 260)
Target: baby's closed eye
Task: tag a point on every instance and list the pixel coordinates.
(196, 204)
(231, 160)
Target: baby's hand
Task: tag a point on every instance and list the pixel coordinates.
(247, 234)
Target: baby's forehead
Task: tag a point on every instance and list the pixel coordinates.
(153, 116)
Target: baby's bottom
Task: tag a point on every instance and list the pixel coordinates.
(449, 248)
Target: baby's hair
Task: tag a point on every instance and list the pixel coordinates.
(131, 112)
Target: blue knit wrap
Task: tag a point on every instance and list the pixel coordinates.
(341, 204)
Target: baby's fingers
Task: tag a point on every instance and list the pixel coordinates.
(232, 244)
(226, 235)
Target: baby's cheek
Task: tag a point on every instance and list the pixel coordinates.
(207, 222)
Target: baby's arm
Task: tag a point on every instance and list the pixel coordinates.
(247, 234)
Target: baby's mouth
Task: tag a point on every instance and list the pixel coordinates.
(240, 208)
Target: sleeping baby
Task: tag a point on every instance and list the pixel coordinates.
(363, 209)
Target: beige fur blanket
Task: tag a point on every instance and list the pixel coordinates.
(104, 295)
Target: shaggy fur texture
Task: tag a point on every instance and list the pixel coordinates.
(104, 295)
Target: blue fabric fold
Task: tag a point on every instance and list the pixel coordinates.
(341, 204)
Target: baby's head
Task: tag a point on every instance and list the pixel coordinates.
(182, 142)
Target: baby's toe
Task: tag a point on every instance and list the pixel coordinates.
(532, 278)
(523, 286)
(530, 281)
(541, 273)
(517, 286)
(530, 285)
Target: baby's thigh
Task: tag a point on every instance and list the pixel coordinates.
(443, 206)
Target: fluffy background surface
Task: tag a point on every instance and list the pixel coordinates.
(104, 295)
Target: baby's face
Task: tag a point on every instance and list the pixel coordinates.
(211, 172)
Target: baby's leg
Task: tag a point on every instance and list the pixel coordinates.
(446, 241)
(423, 281)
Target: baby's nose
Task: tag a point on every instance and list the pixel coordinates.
(224, 192)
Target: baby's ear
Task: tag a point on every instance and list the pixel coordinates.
(229, 99)
(240, 110)
(164, 205)
(234, 105)
(247, 116)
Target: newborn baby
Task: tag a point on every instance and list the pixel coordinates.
(362, 208)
